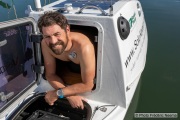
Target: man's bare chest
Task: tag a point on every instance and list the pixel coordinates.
(70, 56)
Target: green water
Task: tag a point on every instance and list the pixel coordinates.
(160, 82)
(159, 87)
(7, 11)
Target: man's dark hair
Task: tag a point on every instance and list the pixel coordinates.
(51, 18)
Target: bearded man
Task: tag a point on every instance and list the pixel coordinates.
(61, 43)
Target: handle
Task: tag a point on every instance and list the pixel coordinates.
(92, 6)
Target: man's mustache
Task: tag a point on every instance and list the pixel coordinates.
(51, 45)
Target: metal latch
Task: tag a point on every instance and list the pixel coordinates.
(4, 97)
(37, 38)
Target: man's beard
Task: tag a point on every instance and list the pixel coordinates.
(59, 51)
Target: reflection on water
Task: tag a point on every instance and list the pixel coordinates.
(134, 103)
(11, 9)
(5, 5)
(160, 80)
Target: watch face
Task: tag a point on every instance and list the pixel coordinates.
(59, 92)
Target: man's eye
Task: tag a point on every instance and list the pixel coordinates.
(57, 34)
(45, 37)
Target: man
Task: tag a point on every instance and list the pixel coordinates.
(61, 43)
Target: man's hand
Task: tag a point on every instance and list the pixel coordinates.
(76, 101)
(51, 97)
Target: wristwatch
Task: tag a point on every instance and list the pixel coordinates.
(60, 93)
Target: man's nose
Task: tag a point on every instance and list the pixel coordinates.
(53, 39)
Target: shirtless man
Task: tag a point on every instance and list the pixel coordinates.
(59, 42)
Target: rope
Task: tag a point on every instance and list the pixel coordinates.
(14, 9)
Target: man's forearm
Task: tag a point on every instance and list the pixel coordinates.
(77, 88)
(55, 81)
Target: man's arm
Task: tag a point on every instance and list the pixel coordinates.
(87, 63)
(50, 67)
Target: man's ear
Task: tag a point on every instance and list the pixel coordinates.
(67, 28)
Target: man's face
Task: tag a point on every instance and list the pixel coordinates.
(56, 38)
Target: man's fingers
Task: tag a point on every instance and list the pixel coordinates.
(81, 105)
(51, 104)
(77, 101)
(84, 99)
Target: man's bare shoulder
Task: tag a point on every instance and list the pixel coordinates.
(45, 47)
(81, 38)
(82, 41)
(43, 44)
